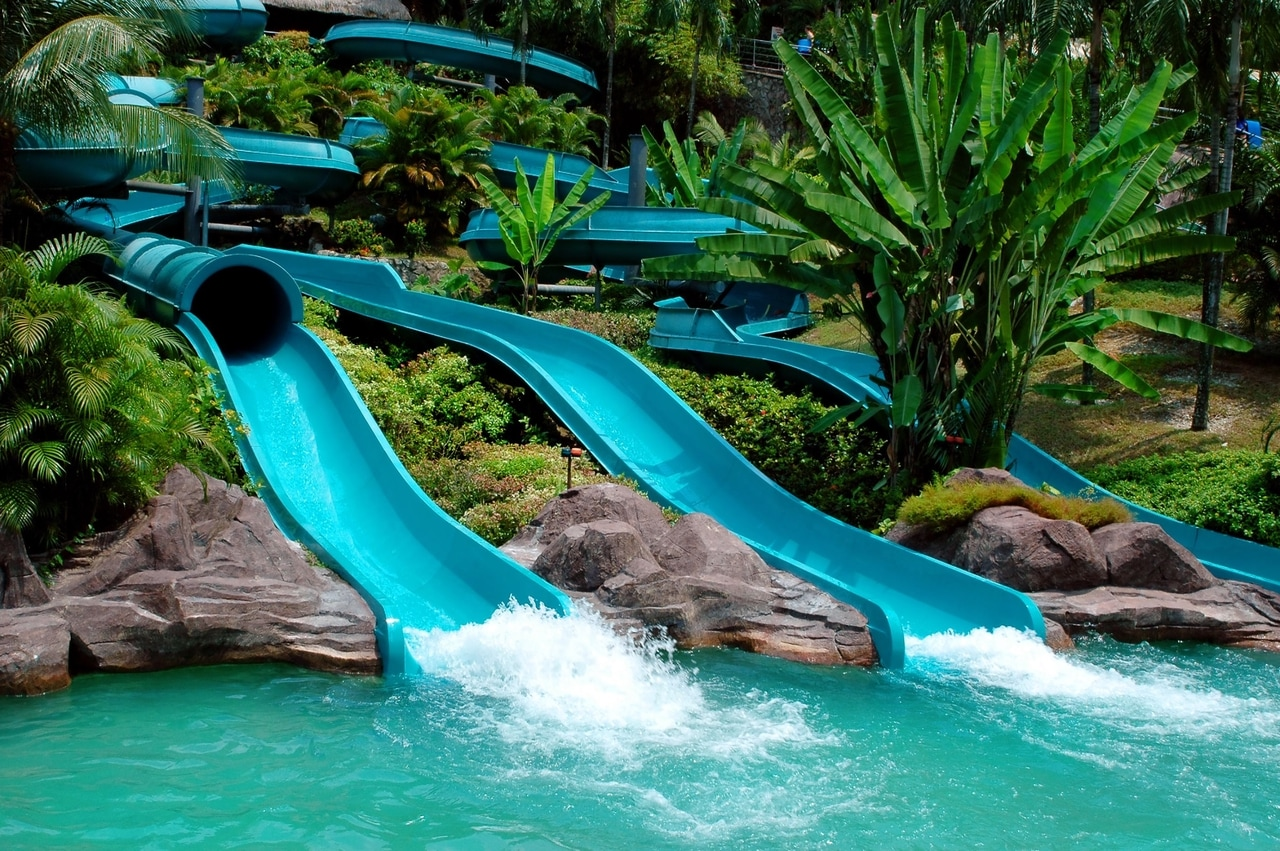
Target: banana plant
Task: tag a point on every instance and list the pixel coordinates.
(533, 223)
(959, 227)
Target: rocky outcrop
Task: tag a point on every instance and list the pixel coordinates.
(34, 645)
(201, 576)
(696, 580)
(1129, 580)
(1142, 555)
(1016, 547)
(1235, 614)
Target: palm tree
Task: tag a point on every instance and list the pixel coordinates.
(53, 55)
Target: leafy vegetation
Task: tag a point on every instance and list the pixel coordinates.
(943, 508)
(532, 225)
(840, 470)
(95, 405)
(1233, 491)
(958, 228)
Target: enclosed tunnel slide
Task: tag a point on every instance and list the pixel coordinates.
(329, 476)
(727, 335)
(635, 426)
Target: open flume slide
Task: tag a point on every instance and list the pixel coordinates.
(724, 334)
(327, 472)
(635, 426)
(413, 42)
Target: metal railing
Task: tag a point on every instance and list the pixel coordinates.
(756, 54)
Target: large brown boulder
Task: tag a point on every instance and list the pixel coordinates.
(203, 576)
(696, 580)
(1019, 548)
(583, 557)
(1236, 614)
(34, 643)
(20, 585)
(1142, 555)
(581, 505)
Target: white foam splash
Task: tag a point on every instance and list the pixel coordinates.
(573, 681)
(1156, 694)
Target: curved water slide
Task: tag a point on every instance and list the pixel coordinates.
(725, 334)
(327, 472)
(414, 42)
(635, 426)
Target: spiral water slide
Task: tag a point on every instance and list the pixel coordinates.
(726, 334)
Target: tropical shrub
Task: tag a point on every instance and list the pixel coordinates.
(427, 163)
(1233, 491)
(519, 115)
(96, 405)
(495, 489)
(628, 331)
(359, 236)
(532, 224)
(840, 470)
(942, 508)
(959, 226)
(429, 407)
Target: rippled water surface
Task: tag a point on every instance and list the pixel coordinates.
(537, 732)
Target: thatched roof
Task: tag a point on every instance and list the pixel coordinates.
(392, 10)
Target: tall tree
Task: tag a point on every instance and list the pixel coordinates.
(1210, 33)
(53, 55)
(957, 228)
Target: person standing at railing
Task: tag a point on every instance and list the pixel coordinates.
(806, 42)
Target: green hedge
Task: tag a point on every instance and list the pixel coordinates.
(838, 470)
(1232, 491)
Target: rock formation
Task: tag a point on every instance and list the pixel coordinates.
(198, 577)
(613, 547)
(1129, 580)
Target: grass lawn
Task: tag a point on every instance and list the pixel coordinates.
(1246, 389)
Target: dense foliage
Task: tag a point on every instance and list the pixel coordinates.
(840, 470)
(958, 224)
(1236, 492)
(95, 405)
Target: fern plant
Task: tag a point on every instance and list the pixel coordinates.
(95, 404)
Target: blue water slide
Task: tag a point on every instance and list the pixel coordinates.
(327, 473)
(229, 24)
(317, 169)
(613, 236)
(635, 426)
(413, 42)
(723, 334)
(569, 168)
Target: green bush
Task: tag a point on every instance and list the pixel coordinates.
(494, 489)
(358, 236)
(629, 331)
(838, 470)
(1236, 492)
(943, 508)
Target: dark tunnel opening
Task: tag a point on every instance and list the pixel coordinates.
(245, 309)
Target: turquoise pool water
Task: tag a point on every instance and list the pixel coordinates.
(536, 733)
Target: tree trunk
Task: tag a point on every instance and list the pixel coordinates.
(608, 102)
(20, 585)
(524, 43)
(1217, 265)
(8, 166)
(1095, 121)
(693, 91)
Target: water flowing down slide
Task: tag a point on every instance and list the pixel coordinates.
(635, 426)
(723, 334)
(327, 473)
